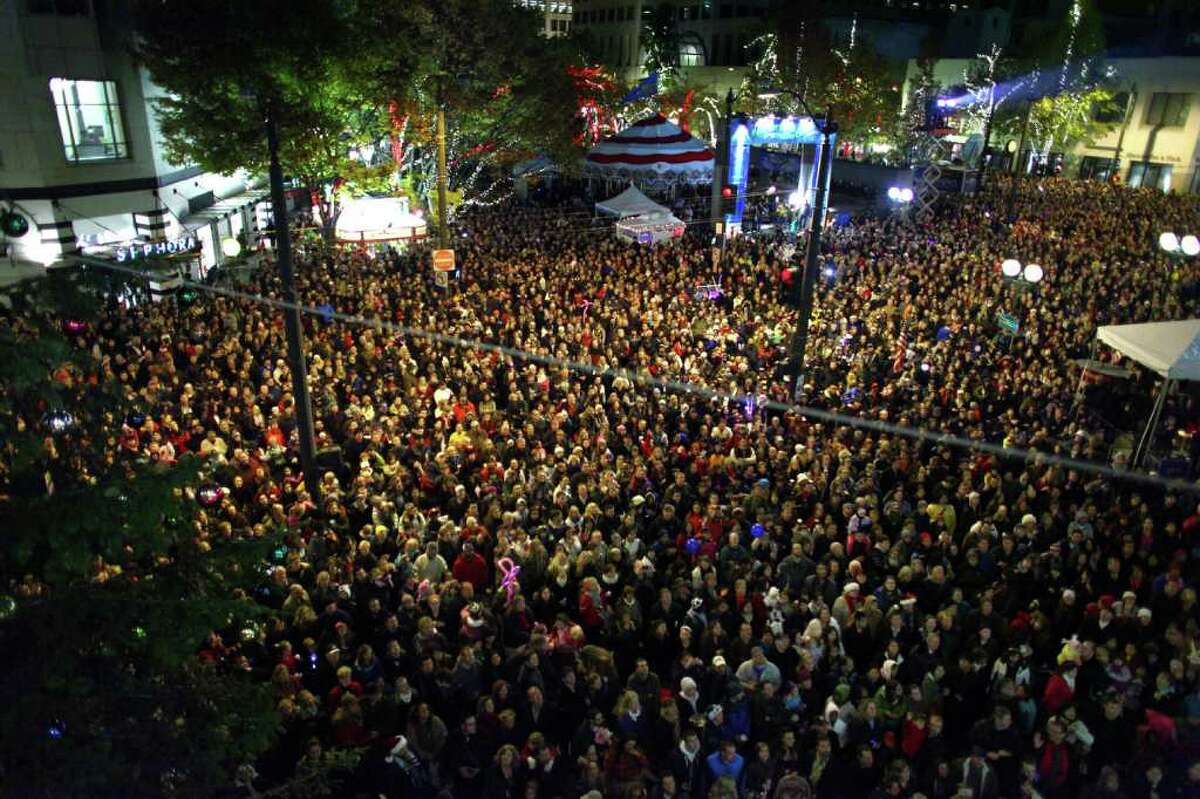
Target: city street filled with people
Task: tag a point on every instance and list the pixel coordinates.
(548, 569)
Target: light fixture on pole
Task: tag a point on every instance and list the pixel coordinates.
(1188, 246)
(1013, 269)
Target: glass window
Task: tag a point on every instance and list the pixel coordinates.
(64, 8)
(1168, 109)
(89, 119)
(1158, 176)
(691, 54)
(1093, 167)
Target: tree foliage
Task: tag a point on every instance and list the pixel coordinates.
(107, 593)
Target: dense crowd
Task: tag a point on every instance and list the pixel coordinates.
(526, 580)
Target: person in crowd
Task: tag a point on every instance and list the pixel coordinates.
(541, 568)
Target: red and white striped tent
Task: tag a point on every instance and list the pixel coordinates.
(653, 151)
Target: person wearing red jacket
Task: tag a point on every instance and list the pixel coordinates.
(470, 567)
(1060, 688)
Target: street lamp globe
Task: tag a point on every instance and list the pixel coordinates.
(906, 195)
(1011, 267)
(1190, 246)
(1169, 242)
(1033, 273)
(231, 248)
(796, 199)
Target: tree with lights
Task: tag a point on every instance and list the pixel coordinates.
(854, 83)
(313, 66)
(108, 593)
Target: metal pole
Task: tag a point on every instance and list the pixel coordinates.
(443, 235)
(719, 167)
(812, 253)
(1021, 141)
(1147, 439)
(291, 319)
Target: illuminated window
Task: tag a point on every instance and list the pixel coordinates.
(691, 54)
(89, 119)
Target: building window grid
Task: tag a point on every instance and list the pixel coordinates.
(79, 138)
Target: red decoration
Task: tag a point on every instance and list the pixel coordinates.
(399, 123)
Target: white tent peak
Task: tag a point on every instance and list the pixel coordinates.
(1172, 349)
(630, 202)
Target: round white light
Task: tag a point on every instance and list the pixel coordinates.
(770, 190)
(796, 199)
(894, 194)
(1011, 267)
(231, 248)
(1190, 246)
(1169, 242)
(1033, 273)
(906, 195)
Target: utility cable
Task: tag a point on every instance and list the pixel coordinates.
(832, 417)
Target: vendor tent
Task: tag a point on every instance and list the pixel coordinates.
(1172, 349)
(370, 220)
(630, 202)
(651, 228)
(654, 152)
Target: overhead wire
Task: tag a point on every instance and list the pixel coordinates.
(921, 435)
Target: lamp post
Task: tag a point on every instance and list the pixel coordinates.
(719, 167)
(799, 342)
(291, 317)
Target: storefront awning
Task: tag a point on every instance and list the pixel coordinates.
(222, 209)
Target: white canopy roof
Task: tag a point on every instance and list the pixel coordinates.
(1170, 348)
(630, 202)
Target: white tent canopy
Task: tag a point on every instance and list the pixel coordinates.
(1172, 349)
(630, 202)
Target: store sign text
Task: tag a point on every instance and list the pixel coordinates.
(155, 249)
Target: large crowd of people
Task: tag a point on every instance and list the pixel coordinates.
(521, 578)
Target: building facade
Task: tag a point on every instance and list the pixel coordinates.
(1155, 142)
(81, 154)
(715, 37)
(556, 15)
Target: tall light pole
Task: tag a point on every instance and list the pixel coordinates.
(443, 230)
(719, 167)
(812, 252)
(291, 317)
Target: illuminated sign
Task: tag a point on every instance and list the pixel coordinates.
(155, 249)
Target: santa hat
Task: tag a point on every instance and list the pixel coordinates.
(395, 747)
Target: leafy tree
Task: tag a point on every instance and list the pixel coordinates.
(311, 64)
(108, 591)
(660, 43)
(502, 86)
(1071, 117)
(855, 84)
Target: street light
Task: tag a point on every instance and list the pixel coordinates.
(1188, 246)
(799, 342)
(1023, 273)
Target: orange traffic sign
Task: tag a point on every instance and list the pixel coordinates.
(443, 260)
